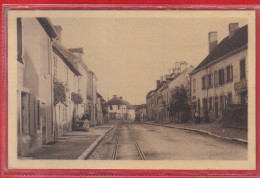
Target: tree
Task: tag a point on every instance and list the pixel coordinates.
(59, 92)
(179, 103)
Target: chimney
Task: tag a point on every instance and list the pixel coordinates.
(77, 52)
(58, 30)
(232, 29)
(114, 96)
(158, 83)
(121, 97)
(161, 78)
(213, 41)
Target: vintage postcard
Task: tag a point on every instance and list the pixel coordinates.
(131, 89)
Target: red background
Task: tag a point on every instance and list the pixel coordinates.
(121, 4)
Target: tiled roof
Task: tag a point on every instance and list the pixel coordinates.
(76, 50)
(69, 58)
(47, 26)
(227, 45)
(115, 101)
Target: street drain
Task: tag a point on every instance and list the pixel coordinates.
(152, 130)
(108, 143)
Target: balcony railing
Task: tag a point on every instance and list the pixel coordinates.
(241, 85)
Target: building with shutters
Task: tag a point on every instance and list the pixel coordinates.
(34, 88)
(120, 109)
(66, 73)
(158, 101)
(220, 80)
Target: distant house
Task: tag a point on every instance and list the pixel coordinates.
(220, 80)
(158, 101)
(119, 109)
(141, 110)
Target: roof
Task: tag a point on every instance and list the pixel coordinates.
(69, 58)
(116, 101)
(76, 50)
(141, 106)
(48, 27)
(99, 95)
(227, 45)
(130, 107)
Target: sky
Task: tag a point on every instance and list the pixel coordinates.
(128, 54)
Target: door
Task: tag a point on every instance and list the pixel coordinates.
(199, 107)
(19, 123)
(216, 107)
(43, 119)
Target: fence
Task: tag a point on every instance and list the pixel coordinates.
(235, 116)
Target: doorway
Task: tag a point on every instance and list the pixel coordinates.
(216, 107)
(43, 119)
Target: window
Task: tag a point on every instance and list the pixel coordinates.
(203, 81)
(229, 99)
(222, 105)
(242, 69)
(221, 77)
(229, 73)
(25, 112)
(119, 107)
(205, 104)
(194, 86)
(111, 108)
(19, 40)
(210, 85)
(215, 78)
(55, 63)
(37, 115)
(210, 103)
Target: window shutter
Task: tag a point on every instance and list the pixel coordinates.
(225, 75)
(202, 83)
(231, 73)
(31, 118)
(25, 113)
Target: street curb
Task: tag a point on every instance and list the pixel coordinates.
(238, 140)
(91, 148)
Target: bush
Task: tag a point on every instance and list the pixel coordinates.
(76, 98)
(59, 92)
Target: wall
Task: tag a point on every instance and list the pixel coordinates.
(220, 90)
(34, 76)
(65, 112)
(119, 112)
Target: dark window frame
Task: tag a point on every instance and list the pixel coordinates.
(242, 69)
(221, 77)
(19, 40)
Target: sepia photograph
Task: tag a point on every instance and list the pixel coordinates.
(131, 89)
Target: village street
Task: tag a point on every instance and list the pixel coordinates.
(132, 141)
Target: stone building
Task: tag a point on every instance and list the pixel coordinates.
(158, 100)
(100, 116)
(92, 96)
(220, 80)
(65, 72)
(34, 88)
(120, 109)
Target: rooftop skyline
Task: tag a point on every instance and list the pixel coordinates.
(129, 54)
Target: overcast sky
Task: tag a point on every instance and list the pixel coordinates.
(128, 55)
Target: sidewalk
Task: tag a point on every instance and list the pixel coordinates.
(73, 145)
(212, 129)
